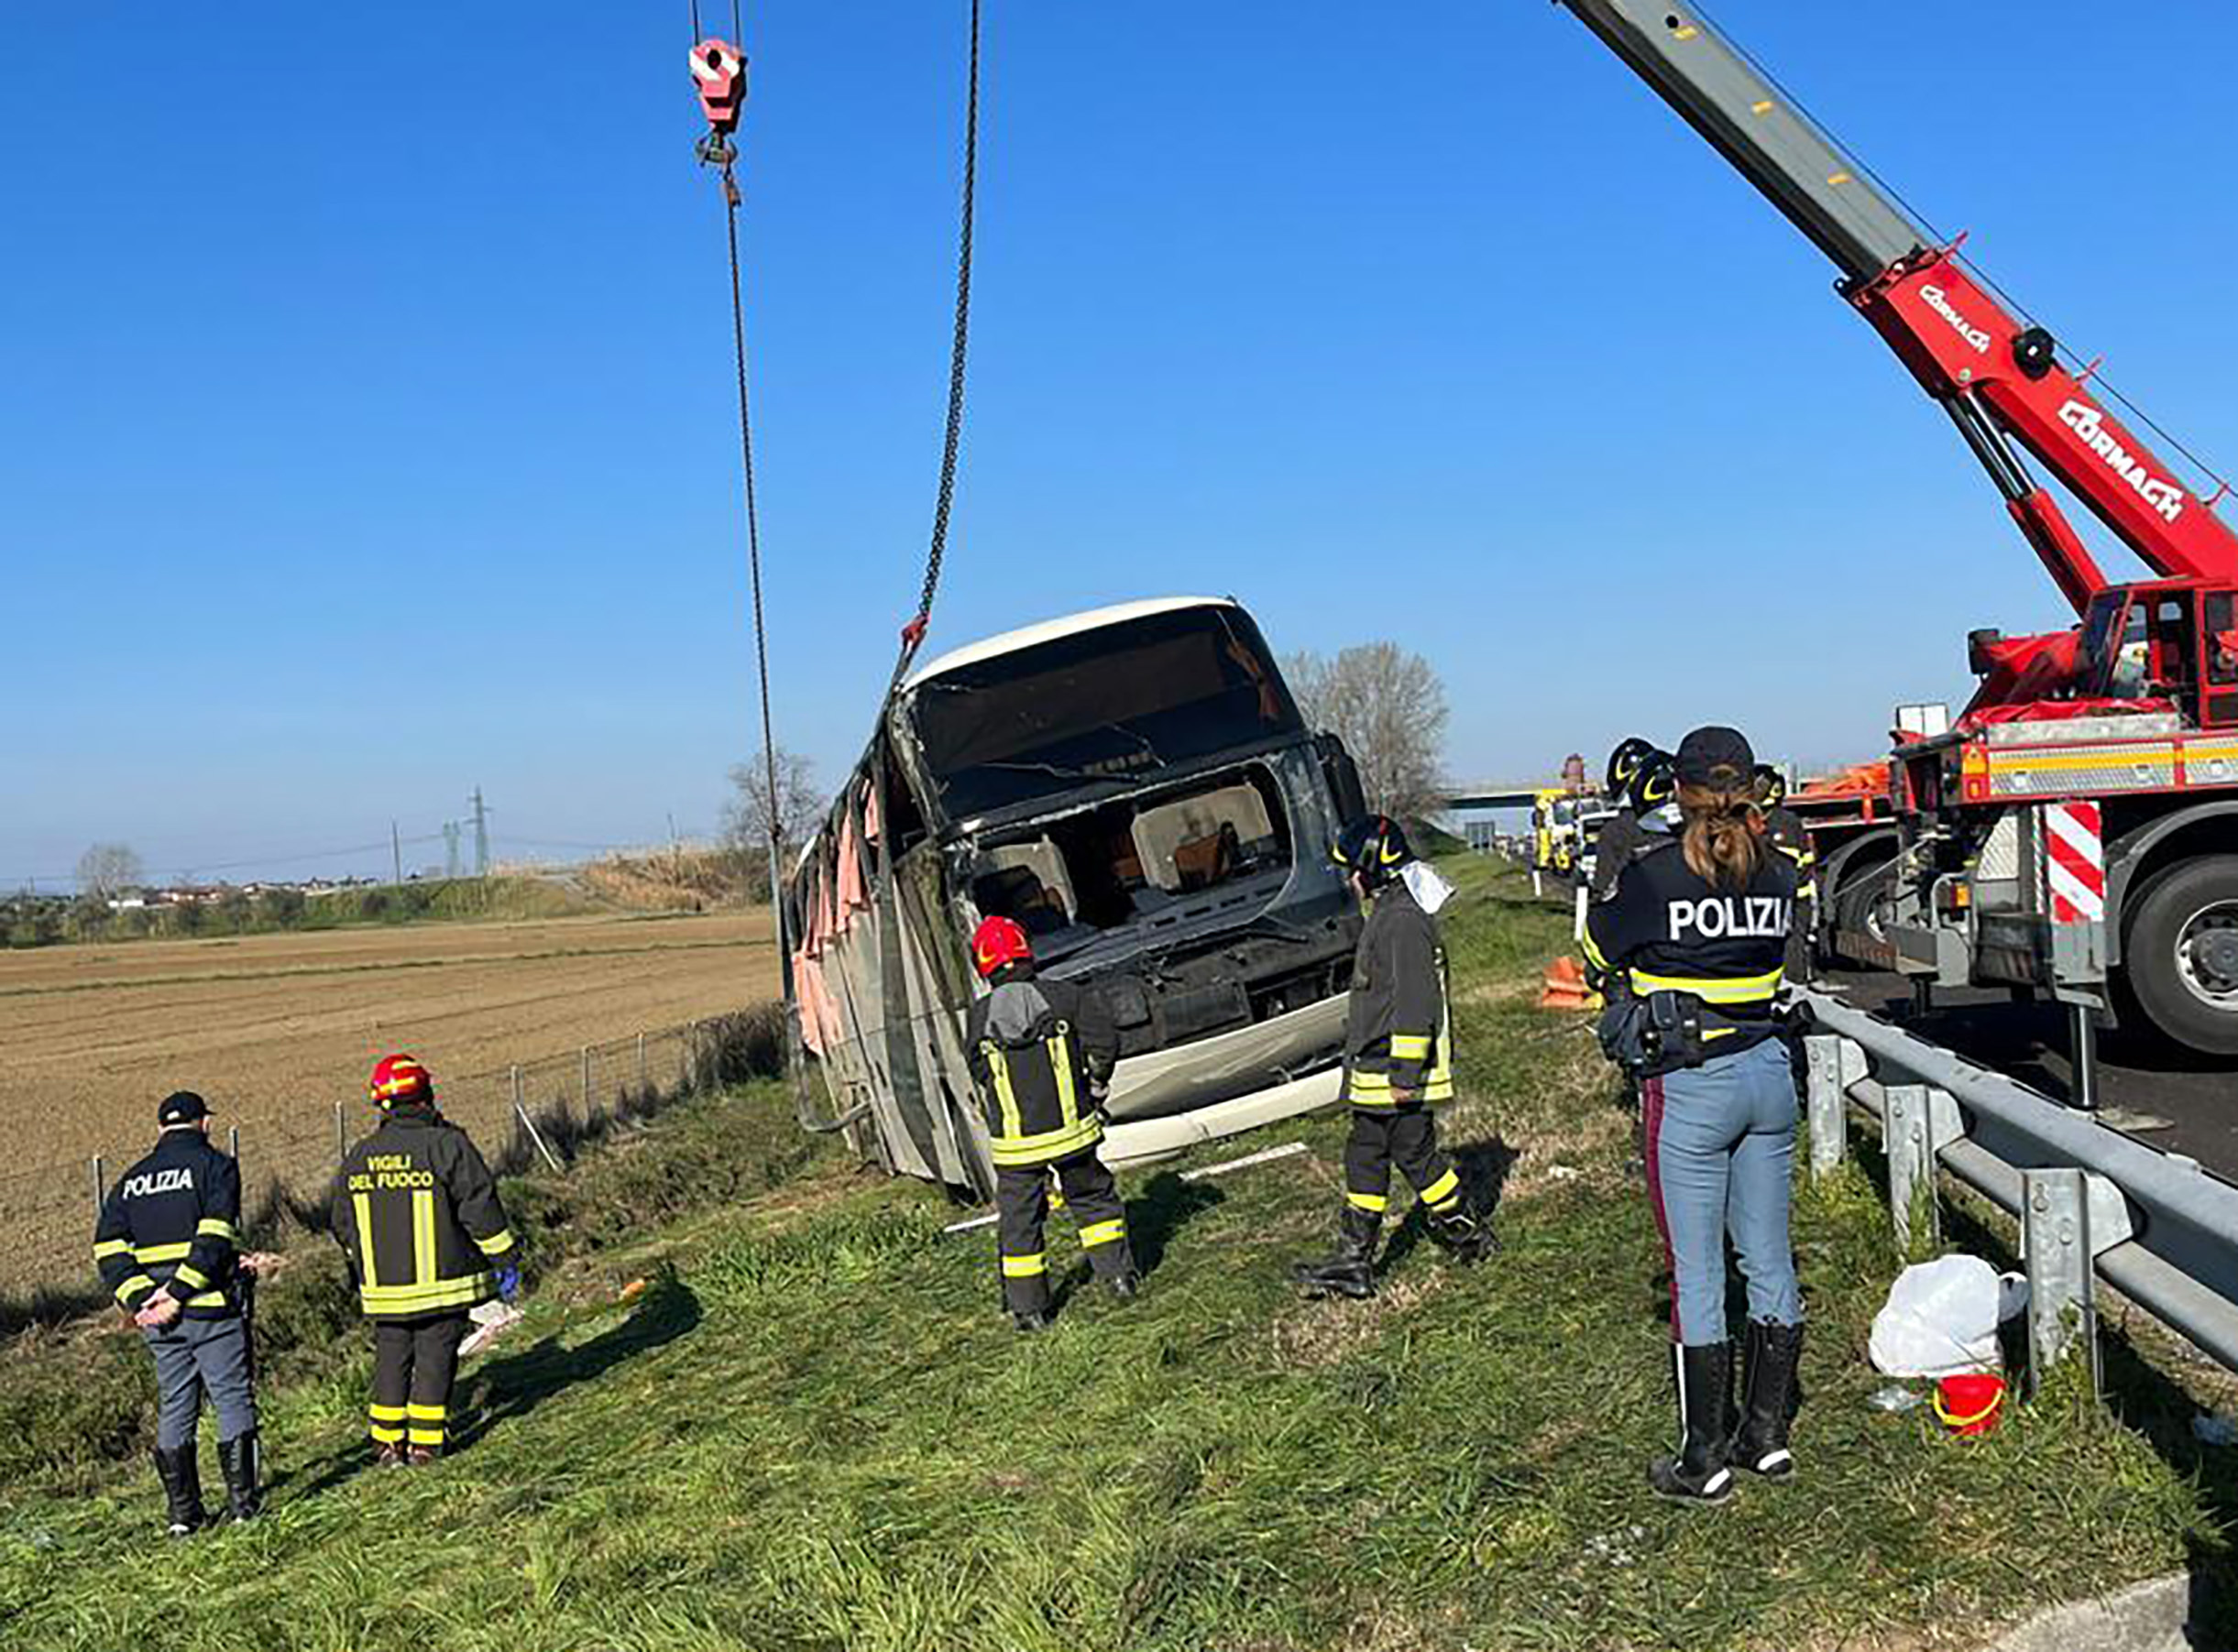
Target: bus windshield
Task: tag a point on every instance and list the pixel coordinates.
(1106, 706)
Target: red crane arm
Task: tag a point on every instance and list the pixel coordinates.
(1970, 353)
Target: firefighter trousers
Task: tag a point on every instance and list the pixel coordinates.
(415, 1363)
(1022, 1206)
(1407, 1135)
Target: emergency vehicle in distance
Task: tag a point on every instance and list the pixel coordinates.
(1136, 788)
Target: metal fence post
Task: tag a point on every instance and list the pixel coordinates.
(2062, 1283)
(641, 1063)
(1829, 1110)
(1911, 1167)
(586, 1101)
(342, 1135)
(101, 1188)
(697, 1057)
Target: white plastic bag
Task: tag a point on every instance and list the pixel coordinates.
(1941, 1318)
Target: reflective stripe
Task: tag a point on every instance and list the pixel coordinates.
(217, 1227)
(1026, 1267)
(1050, 1144)
(192, 1276)
(426, 1436)
(998, 1065)
(1104, 1232)
(425, 1414)
(1409, 1046)
(112, 1247)
(387, 1437)
(498, 1244)
(152, 1253)
(1737, 989)
(424, 1236)
(416, 1299)
(1593, 953)
(362, 1205)
(1376, 1203)
(385, 1413)
(207, 1299)
(1444, 1189)
(1060, 1064)
(138, 1282)
(1367, 1079)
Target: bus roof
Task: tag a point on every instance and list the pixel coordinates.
(1048, 630)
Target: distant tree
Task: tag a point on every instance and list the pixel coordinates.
(746, 817)
(280, 908)
(1388, 707)
(108, 870)
(234, 911)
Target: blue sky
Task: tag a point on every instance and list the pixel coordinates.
(369, 433)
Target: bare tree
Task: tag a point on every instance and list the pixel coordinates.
(108, 870)
(746, 818)
(1388, 707)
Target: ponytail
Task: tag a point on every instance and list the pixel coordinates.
(1723, 839)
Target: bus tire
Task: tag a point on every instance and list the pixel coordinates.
(2180, 956)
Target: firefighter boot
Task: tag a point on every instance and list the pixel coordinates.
(182, 1489)
(1769, 1357)
(239, 1458)
(1698, 1472)
(1031, 1320)
(1351, 1271)
(1464, 1235)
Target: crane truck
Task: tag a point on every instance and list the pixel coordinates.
(2074, 829)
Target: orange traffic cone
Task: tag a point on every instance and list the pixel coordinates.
(1565, 986)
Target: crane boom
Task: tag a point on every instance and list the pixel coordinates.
(1999, 377)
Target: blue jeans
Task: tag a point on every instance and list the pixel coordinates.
(1721, 1156)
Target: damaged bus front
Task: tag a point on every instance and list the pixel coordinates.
(1135, 787)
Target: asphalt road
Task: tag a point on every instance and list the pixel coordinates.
(2029, 1042)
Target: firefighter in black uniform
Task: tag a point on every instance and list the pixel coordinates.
(1644, 820)
(168, 1247)
(1783, 830)
(1399, 1062)
(1699, 928)
(415, 1210)
(1042, 1053)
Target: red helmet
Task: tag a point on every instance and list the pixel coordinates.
(997, 942)
(399, 1078)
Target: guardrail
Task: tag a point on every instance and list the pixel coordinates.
(2091, 1203)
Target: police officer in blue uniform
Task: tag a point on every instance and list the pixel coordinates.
(167, 1248)
(1699, 928)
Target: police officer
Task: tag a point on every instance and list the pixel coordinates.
(1783, 830)
(168, 1247)
(1399, 1062)
(1041, 1053)
(1700, 927)
(415, 1210)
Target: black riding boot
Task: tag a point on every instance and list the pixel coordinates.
(239, 1458)
(182, 1489)
(1351, 1271)
(1466, 1236)
(1698, 1472)
(1769, 1357)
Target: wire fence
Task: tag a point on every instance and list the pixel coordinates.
(523, 1115)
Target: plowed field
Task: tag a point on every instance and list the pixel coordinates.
(275, 1029)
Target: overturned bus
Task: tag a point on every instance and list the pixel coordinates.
(1135, 787)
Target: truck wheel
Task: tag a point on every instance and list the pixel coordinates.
(2182, 955)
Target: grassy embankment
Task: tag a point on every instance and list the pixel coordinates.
(815, 1430)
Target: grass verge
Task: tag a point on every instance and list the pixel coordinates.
(816, 1430)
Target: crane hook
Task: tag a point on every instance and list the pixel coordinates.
(719, 69)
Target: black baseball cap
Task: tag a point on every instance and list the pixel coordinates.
(1717, 757)
(181, 1107)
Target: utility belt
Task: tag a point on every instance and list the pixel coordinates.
(1663, 1032)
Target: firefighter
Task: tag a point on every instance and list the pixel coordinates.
(1784, 831)
(1700, 927)
(415, 1210)
(1399, 1062)
(1647, 816)
(168, 1247)
(1041, 1053)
